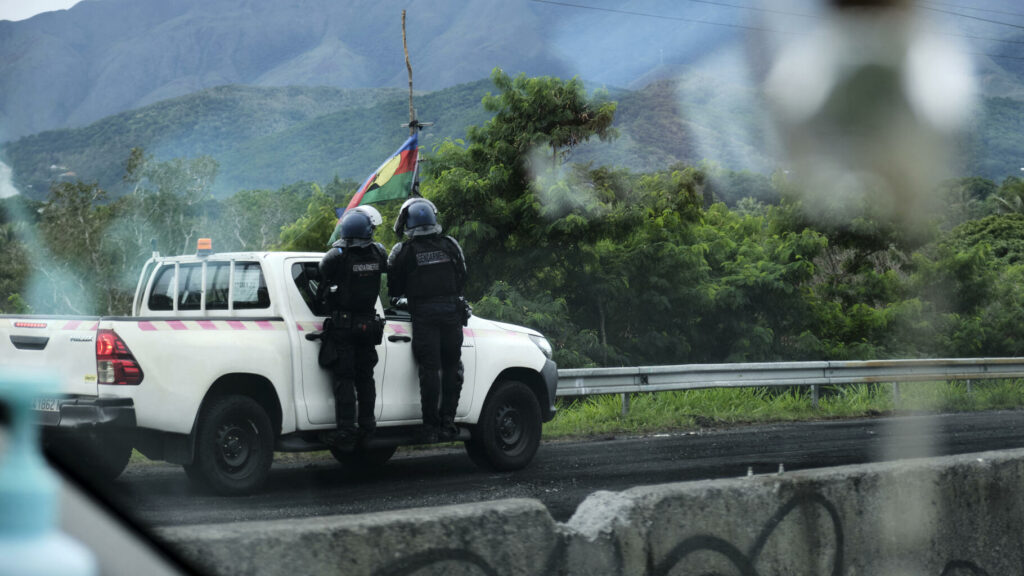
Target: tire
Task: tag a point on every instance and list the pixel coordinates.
(508, 433)
(100, 457)
(114, 454)
(234, 446)
(364, 459)
(193, 475)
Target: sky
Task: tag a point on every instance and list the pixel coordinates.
(22, 9)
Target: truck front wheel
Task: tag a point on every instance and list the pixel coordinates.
(508, 433)
(234, 445)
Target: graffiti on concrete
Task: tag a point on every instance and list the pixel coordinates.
(745, 562)
(445, 560)
(962, 568)
(426, 559)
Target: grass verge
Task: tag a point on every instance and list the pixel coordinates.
(721, 407)
(692, 409)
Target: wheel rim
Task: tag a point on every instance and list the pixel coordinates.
(236, 443)
(509, 427)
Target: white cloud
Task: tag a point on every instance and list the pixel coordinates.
(22, 9)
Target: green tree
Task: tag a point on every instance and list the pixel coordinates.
(1003, 234)
(170, 202)
(253, 219)
(484, 187)
(312, 230)
(1010, 196)
(74, 242)
(14, 269)
(967, 199)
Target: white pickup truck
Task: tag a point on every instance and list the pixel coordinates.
(213, 372)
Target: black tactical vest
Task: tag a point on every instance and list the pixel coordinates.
(435, 262)
(358, 279)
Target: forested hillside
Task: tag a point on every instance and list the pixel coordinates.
(271, 137)
(101, 57)
(615, 266)
(260, 137)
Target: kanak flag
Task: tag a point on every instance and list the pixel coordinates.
(394, 178)
(392, 181)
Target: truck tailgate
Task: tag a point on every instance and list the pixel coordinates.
(63, 344)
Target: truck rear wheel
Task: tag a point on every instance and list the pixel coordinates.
(508, 433)
(101, 457)
(234, 445)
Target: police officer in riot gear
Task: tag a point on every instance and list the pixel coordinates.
(429, 269)
(350, 273)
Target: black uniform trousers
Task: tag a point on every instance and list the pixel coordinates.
(437, 348)
(353, 375)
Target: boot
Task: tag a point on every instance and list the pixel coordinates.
(345, 440)
(449, 431)
(426, 434)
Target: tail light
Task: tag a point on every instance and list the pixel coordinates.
(114, 361)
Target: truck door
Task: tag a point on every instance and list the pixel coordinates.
(316, 392)
(402, 381)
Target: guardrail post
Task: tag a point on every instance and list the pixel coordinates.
(625, 404)
(895, 395)
(814, 396)
(970, 391)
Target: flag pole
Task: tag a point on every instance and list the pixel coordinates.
(411, 147)
(414, 124)
(408, 66)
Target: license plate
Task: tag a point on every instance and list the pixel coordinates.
(46, 405)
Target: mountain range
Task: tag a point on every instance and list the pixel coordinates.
(100, 57)
(297, 90)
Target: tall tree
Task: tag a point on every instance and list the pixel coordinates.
(485, 186)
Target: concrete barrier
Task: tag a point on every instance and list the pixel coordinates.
(950, 516)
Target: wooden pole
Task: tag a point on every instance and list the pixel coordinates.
(412, 111)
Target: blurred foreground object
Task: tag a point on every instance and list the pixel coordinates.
(30, 544)
(867, 106)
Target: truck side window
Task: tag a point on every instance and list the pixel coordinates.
(190, 286)
(306, 276)
(217, 283)
(162, 295)
(250, 289)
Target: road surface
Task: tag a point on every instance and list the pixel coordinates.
(564, 472)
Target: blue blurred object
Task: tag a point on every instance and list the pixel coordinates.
(30, 543)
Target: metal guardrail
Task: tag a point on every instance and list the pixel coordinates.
(625, 381)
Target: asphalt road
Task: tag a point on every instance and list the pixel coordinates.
(564, 472)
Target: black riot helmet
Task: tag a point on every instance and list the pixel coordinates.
(356, 228)
(418, 217)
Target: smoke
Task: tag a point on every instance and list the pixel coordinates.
(560, 188)
(723, 112)
(7, 188)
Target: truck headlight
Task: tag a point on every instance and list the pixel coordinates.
(543, 344)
